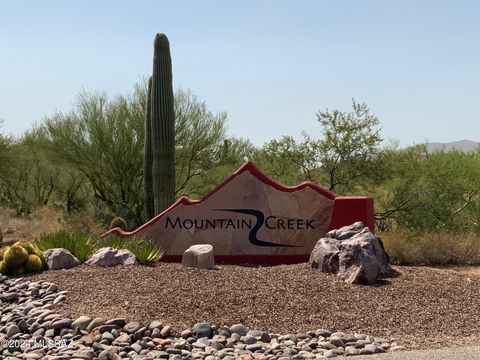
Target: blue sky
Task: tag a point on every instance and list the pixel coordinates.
(270, 64)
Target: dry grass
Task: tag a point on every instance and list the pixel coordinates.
(433, 249)
(45, 220)
(41, 220)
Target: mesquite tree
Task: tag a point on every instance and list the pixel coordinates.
(162, 126)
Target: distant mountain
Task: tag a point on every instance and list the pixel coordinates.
(462, 145)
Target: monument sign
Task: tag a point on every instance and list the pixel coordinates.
(250, 218)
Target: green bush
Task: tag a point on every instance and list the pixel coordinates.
(146, 251)
(81, 246)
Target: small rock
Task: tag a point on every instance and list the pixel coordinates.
(108, 336)
(120, 322)
(81, 323)
(337, 341)
(254, 347)
(239, 329)
(329, 354)
(166, 331)
(202, 330)
(155, 325)
(131, 327)
(95, 323)
(12, 330)
(62, 323)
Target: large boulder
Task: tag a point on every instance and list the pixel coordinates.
(109, 256)
(199, 256)
(59, 258)
(324, 255)
(362, 259)
(353, 252)
(346, 232)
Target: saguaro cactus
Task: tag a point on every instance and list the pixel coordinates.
(148, 158)
(163, 126)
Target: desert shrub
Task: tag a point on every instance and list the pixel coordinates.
(147, 251)
(407, 247)
(80, 245)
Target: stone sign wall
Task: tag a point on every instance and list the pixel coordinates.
(253, 219)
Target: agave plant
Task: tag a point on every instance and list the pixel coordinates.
(146, 251)
(80, 245)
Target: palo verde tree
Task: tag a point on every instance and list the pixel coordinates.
(349, 148)
(103, 140)
(344, 158)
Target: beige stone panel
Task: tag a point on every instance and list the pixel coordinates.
(282, 203)
(182, 242)
(246, 191)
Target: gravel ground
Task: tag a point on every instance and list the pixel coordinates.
(457, 353)
(419, 308)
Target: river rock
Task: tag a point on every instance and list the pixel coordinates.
(239, 329)
(202, 330)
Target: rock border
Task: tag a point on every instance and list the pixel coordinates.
(31, 329)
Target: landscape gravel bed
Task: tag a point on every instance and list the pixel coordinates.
(418, 307)
(31, 329)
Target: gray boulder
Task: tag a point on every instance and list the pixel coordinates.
(109, 256)
(59, 258)
(353, 253)
(362, 259)
(346, 232)
(199, 256)
(324, 255)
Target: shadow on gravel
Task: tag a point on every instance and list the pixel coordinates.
(384, 280)
(392, 273)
